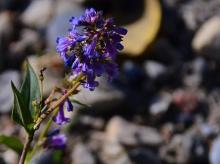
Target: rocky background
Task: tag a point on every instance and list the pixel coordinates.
(164, 107)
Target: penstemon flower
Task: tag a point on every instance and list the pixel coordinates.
(55, 140)
(91, 46)
(60, 118)
(90, 51)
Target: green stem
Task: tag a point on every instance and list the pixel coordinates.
(47, 127)
(25, 149)
(41, 91)
(43, 134)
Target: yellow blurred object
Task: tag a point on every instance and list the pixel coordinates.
(143, 32)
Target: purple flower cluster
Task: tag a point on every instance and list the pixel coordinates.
(91, 46)
(89, 49)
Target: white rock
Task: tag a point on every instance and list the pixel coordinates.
(114, 153)
(207, 39)
(124, 132)
(154, 69)
(82, 155)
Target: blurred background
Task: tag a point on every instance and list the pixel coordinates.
(164, 106)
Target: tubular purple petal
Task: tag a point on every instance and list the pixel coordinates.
(60, 119)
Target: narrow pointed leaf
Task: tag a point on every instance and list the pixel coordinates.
(30, 89)
(15, 111)
(20, 113)
(12, 142)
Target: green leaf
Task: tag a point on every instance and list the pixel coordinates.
(20, 113)
(23, 112)
(15, 110)
(30, 89)
(12, 142)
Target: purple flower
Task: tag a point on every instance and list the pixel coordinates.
(91, 46)
(57, 141)
(60, 118)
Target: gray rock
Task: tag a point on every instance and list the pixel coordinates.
(114, 153)
(6, 96)
(192, 80)
(214, 152)
(29, 40)
(38, 13)
(82, 155)
(103, 99)
(59, 25)
(154, 69)
(124, 132)
(194, 13)
(207, 39)
(179, 144)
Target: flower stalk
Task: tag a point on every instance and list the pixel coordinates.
(90, 51)
(58, 102)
